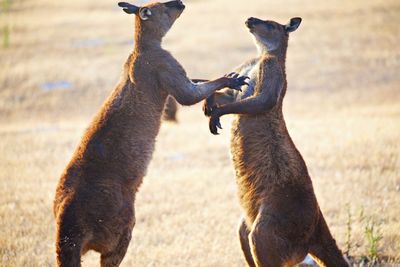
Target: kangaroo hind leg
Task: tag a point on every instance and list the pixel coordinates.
(271, 245)
(115, 257)
(244, 242)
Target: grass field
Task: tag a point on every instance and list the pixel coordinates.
(342, 109)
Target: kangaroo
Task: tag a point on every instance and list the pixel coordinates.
(171, 106)
(170, 110)
(282, 220)
(94, 202)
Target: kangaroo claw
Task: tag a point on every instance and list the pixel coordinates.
(214, 124)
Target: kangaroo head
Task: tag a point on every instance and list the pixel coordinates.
(270, 35)
(155, 18)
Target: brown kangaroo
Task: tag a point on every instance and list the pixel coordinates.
(282, 221)
(170, 110)
(94, 202)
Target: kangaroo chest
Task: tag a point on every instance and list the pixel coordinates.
(252, 72)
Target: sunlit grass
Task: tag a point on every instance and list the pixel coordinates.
(342, 110)
(5, 29)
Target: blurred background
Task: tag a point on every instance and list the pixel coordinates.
(60, 59)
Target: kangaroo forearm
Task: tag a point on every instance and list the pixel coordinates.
(217, 99)
(208, 88)
(251, 106)
(199, 91)
(242, 107)
(199, 80)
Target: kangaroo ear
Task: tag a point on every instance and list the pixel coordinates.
(144, 13)
(293, 24)
(128, 8)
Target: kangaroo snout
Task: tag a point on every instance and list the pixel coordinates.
(251, 22)
(176, 3)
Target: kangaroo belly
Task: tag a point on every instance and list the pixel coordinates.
(265, 160)
(252, 161)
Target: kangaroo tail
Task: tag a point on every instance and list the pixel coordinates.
(324, 249)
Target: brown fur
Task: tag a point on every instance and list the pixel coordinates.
(282, 220)
(94, 202)
(170, 110)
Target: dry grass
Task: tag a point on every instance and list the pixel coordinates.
(342, 109)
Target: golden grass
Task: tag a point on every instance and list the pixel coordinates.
(342, 110)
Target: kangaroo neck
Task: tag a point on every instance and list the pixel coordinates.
(146, 39)
(144, 43)
(279, 53)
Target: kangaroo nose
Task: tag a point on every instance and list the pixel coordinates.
(175, 4)
(181, 4)
(251, 22)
